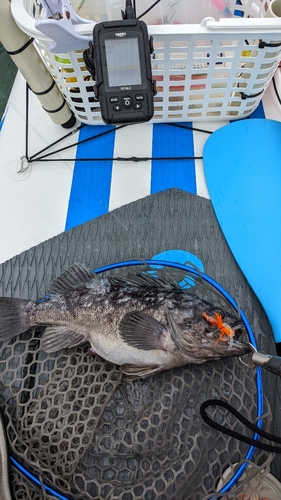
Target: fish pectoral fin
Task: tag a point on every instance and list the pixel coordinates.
(71, 278)
(142, 331)
(135, 371)
(60, 337)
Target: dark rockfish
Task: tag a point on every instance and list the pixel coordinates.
(144, 324)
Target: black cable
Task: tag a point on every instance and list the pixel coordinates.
(58, 140)
(129, 10)
(134, 8)
(188, 127)
(253, 427)
(276, 91)
(119, 158)
(149, 9)
(34, 157)
(26, 118)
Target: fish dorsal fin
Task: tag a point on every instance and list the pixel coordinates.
(142, 331)
(144, 280)
(71, 278)
(56, 338)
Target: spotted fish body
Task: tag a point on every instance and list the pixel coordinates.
(143, 324)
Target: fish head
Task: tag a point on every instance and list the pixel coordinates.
(208, 337)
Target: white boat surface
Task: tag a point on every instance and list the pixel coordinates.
(50, 197)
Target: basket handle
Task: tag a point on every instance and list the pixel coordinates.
(238, 24)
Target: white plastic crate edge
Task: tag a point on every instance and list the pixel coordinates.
(201, 70)
(233, 25)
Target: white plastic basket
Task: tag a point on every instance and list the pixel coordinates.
(216, 70)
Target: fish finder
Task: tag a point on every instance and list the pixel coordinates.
(119, 59)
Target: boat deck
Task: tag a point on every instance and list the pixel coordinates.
(63, 191)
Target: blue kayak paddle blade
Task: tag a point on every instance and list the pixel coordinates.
(242, 164)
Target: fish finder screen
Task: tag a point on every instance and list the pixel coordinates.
(123, 62)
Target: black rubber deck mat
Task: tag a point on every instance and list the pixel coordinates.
(169, 220)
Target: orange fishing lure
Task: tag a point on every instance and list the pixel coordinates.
(225, 330)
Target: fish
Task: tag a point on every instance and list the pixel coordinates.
(139, 322)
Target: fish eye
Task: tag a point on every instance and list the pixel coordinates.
(218, 311)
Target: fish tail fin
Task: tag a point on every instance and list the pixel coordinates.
(13, 319)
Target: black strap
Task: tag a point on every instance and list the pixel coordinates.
(21, 49)
(250, 96)
(263, 44)
(55, 110)
(45, 91)
(247, 423)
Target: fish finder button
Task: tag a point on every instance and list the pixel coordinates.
(127, 102)
(139, 97)
(138, 105)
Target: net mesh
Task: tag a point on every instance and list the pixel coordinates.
(82, 428)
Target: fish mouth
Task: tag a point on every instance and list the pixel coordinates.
(228, 349)
(241, 347)
(231, 348)
(240, 330)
